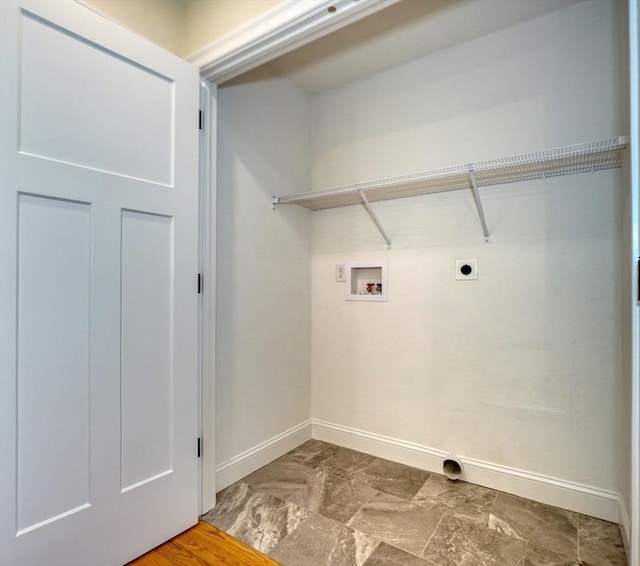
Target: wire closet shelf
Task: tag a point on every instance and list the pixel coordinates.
(566, 160)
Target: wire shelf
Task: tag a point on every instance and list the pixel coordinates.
(567, 160)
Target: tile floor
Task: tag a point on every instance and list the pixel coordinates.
(323, 505)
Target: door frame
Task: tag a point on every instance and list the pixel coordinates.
(634, 104)
(207, 302)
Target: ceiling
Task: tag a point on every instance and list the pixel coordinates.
(400, 33)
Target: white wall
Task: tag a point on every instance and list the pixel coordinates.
(263, 300)
(522, 367)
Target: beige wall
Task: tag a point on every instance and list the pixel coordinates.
(208, 20)
(160, 21)
(181, 26)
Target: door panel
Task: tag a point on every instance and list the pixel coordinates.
(53, 357)
(147, 364)
(66, 119)
(98, 326)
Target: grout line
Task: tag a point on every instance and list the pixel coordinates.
(578, 533)
(413, 500)
(495, 499)
(433, 533)
(526, 551)
(375, 492)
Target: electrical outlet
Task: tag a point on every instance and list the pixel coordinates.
(341, 274)
(466, 269)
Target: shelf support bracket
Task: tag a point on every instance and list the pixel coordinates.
(476, 197)
(374, 217)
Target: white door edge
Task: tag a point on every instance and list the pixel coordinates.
(634, 65)
(207, 318)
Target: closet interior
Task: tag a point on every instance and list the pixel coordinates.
(428, 136)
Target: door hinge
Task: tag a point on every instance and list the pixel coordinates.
(199, 448)
(199, 283)
(199, 119)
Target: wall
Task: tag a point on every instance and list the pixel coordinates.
(160, 21)
(264, 319)
(522, 367)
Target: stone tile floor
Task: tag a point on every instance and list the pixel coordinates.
(323, 505)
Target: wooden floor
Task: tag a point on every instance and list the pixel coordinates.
(203, 545)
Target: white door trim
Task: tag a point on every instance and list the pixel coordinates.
(634, 71)
(288, 25)
(207, 321)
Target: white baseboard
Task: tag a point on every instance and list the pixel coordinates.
(560, 493)
(552, 491)
(407, 453)
(250, 460)
(625, 528)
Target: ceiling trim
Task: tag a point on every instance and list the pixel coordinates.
(279, 30)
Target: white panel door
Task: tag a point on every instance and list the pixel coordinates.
(99, 243)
